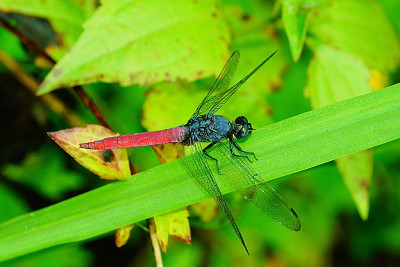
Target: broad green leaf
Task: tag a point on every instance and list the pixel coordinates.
(145, 44)
(66, 16)
(333, 76)
(349, 26)
(108, 164)
(356, 171)
(282, 148)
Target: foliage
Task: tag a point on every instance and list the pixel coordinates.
(318, 106)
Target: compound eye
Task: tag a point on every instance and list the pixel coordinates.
(242, 120)
(243, 131)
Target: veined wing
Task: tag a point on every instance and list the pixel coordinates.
(197, 165)
(220, 93)
(241, 176)
(220, 85)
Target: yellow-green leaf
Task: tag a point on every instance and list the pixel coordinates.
(356, 171)
(162, 230)
(360, 28)
(179, 225)
(334, 75)
(122, 235)
(166, 152)
(108, 164)
(176, 224)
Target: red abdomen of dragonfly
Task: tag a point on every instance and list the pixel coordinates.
(172, 135)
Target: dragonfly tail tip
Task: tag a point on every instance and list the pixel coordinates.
(84, 145)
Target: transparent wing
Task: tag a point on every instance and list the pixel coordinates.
(197, 165)
(220, 86)
(246, 181)
(220, 92)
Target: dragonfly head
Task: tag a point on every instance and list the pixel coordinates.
(243, 127)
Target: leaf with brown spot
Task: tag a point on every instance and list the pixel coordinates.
(143, 43)
(179, 225)
(175, 224)
(108, 164)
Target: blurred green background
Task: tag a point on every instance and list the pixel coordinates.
(327, 51)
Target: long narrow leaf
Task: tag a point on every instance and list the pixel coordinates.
(282, 148)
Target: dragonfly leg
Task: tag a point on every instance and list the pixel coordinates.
(205, 153)
(232, 143)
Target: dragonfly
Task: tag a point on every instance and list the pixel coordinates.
(205, 127)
